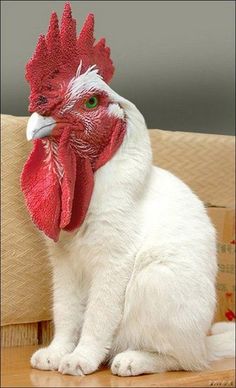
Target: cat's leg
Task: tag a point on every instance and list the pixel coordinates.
(68, 315)
(168, 311)
(102, 316)
(135, 362)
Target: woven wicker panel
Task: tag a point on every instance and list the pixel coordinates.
(25, 271)
(205, 162)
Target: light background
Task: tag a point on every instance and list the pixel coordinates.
(174, 59)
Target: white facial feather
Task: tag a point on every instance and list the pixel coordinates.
(90, 82)
(83, 83)
(116, 111)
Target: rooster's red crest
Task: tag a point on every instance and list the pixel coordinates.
(58, 177)
(57, 57)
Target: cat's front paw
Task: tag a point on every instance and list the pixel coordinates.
(78, 364)
(128, 363)
(48, 358)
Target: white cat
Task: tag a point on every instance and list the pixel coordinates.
(135, 284)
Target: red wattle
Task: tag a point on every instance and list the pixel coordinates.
(67, 159)
(115, 142)
(82, 194)
(52, 205)
(58, 186)
(42, 192)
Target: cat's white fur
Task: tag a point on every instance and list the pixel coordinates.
(135, 285)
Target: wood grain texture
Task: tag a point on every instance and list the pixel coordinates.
(19, 335)
(46, 328)
(16, 372)
(38, 333)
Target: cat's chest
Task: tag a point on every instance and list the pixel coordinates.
(78, 253)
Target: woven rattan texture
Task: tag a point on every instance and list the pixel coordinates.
(25, 269)
(205, 162)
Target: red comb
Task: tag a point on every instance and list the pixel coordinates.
(58, 55)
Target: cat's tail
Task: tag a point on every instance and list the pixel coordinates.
(221, 344)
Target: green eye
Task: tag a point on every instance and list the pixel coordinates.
(92, 102)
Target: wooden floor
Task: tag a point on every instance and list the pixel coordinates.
(16, 372)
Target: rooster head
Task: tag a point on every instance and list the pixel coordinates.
(77, 124)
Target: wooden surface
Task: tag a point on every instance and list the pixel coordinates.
(16, 372)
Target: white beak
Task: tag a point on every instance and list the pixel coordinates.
(39, 126)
